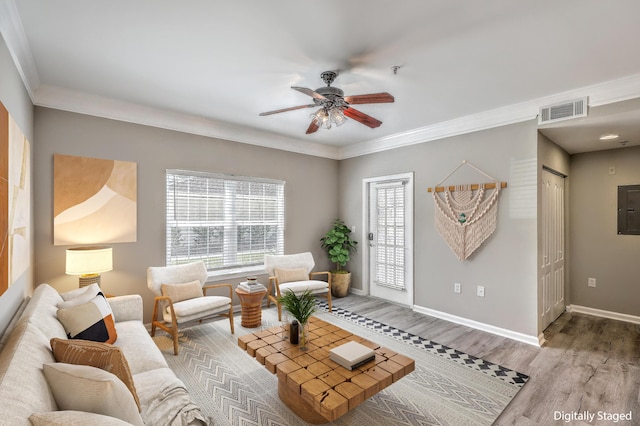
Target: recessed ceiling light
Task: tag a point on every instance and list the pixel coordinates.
(609, 137)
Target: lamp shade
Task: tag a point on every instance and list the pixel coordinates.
(89, 260)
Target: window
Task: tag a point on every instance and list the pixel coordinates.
(229, 222)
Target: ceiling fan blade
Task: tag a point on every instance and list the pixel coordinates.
(287, 109)
(371, 98)
(313, 127)
(309, 92)
(363, 118)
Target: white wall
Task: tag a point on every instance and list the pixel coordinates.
(505, 264)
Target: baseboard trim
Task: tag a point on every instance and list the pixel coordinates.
(510, 334)
(357, 292)
(604, 314)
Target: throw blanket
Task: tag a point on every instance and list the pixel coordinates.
(168, 402)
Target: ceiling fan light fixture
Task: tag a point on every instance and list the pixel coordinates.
(322, 119)
(335, 108)
(337, 116)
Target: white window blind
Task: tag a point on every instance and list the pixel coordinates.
(229, 222)
(390, 242)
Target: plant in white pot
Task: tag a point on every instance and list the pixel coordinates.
(339, 246)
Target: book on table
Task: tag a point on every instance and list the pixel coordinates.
(253, 288)
(351, 355)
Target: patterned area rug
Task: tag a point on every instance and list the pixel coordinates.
(448, 387)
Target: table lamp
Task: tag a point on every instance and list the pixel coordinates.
(89, 263)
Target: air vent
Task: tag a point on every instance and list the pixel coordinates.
(564, 111)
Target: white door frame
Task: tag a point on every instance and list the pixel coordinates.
(366, 182)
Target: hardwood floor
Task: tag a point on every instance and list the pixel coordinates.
(589, 365)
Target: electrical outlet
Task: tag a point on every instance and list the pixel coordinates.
(353, 228)
(591, 282)
(457, 288)
(480, 291)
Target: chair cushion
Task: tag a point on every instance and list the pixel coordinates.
(95, 354)
(89, 321)
(288, 261)
(301, 286)
(201, 304)
(84, 388)
(291, 275)
(180, 292)
(175, 274)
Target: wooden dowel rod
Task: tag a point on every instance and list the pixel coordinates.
(474, 187)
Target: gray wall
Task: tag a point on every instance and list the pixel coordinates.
(16, 100)
(505, 264)
(311, 187)
(597, 251)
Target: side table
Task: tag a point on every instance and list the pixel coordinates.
(251, 304)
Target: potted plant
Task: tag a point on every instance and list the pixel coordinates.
(339, 247)
(301, 307)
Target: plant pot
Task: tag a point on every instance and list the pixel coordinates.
(340, 283)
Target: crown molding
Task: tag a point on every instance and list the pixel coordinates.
(16, 40)
(98, 106)
(599, 94)
(458, 126)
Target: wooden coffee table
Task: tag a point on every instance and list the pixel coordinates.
(315, 388)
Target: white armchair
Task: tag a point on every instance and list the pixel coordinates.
(181, 298)
(293, 272)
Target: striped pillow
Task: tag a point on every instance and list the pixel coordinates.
(92, 320)
(95, 354)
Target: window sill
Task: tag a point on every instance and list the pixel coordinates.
(236, 273)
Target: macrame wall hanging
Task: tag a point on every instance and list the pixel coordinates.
(466, 215)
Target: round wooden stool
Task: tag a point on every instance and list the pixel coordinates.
(251, 304)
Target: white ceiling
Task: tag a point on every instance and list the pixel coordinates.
(210, 67)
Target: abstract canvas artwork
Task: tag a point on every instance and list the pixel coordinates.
(94, 200)
(15, 201)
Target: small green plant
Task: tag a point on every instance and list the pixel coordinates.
(339, 244)
(301, 307)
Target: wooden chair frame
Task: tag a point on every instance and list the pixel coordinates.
(173, 328)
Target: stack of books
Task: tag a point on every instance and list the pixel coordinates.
(351, 355)
(251, 288)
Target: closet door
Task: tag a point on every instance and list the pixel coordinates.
(553, 250)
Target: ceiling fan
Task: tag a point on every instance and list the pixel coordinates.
(334, 106)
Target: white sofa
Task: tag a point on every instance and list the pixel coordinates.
(24, 389)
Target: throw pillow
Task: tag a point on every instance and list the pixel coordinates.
(291, 275)
(89, 321)
(90, 389)
(185, 291)
(79, 300)
(73, 418)
(69, 295)
(95, 354)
